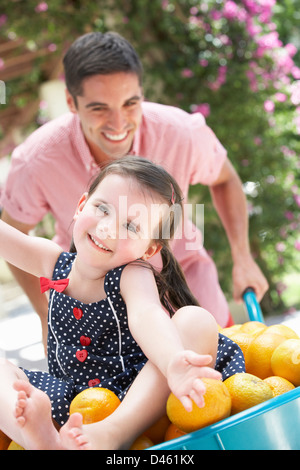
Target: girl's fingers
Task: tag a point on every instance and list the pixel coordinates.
(186, 403)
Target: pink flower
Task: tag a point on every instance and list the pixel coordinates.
(203, 62)
(297, 199)
(257, 140)
(187, 73)
(280, 247)
(295, 71)
(297, 245)
(41, 7)
(202, 108)
(295, 96)
(289, 215)
(269, 106)
(3, 19)
(52, 47)
(194, 11)
(280, 97)
(230, 10)
(291, 49)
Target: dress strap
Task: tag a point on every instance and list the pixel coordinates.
(112, 281)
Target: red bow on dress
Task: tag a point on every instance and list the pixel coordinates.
(58, 285)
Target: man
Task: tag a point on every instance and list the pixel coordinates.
(108, 119)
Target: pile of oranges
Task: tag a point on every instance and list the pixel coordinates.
(272, 360)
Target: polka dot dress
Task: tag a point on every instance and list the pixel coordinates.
(230, 358)
(90, 345)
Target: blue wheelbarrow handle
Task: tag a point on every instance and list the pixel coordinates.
(252, 305)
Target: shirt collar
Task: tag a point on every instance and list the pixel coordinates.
(82, 146)
(136, 143)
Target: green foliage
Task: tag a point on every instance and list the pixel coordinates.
(209, 56)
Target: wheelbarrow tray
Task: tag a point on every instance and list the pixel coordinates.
(271, 425)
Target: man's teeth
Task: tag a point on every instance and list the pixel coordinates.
(116, 137)
(99, 244)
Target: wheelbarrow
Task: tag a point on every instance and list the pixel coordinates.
(272, 425)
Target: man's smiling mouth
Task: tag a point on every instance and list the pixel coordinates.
(116, 137)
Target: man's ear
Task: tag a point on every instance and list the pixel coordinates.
(80, 205)
(70, 102)
(153, 249)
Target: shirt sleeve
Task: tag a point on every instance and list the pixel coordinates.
(207, 153)
(22, 196)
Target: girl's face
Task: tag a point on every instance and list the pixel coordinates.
(117, 224)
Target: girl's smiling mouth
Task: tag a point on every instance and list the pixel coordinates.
(99, 244)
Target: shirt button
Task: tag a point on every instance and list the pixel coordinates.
(85, 340)
(77, 312)
(81, 355)
(93, 382)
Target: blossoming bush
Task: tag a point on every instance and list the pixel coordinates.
(236, 62)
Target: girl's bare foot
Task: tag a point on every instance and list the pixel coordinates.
(72, 435)
(33, 415)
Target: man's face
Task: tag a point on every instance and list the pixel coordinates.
(110, 112)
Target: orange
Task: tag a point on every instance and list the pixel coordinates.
(259, 353)
(247, 390)
(217, 406)
(142, 442)
(285, 361)
(253, 327)
(14, 446)
(230, 330)
(94, 404)
(173, 432)
(243, 340)
(283, 330)
(157, 431)
(279, 385)
(4, 441)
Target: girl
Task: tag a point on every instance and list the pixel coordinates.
(107, 326)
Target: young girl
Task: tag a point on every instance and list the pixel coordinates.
(107, 326)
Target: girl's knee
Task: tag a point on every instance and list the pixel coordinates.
(192, 317)
(198, 330)
(7, 368)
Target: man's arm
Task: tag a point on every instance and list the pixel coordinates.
(231, 204)
(29, 283)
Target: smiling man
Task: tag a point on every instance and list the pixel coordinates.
(109, 119)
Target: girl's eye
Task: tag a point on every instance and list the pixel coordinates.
(104, 209)
(131, 227)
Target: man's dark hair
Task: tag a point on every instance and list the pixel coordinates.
(99, 54)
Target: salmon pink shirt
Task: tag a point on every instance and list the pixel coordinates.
(53, 167)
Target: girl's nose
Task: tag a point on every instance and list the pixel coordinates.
(106, 229)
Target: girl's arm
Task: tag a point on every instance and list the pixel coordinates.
(34, 255)
(158, 337)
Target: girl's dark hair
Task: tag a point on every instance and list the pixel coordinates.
(99, 54)
(172, 286)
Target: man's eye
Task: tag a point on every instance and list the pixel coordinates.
(98, 109)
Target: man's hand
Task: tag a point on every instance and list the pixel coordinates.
(246, 273)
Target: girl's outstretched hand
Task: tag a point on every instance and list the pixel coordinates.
(184, 377)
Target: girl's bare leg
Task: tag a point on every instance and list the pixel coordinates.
(25, 411)
(146, 399)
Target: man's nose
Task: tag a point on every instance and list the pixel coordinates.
(117, 120)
